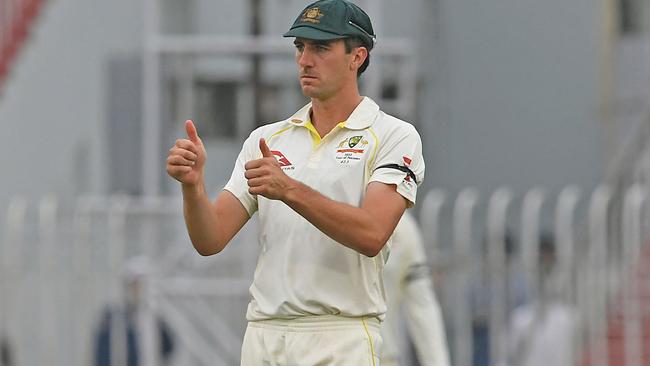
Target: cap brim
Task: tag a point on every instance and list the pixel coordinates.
(312, 33)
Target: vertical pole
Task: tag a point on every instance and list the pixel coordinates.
(565, 239)
(116, 254)
(463, 229)
(497, 274)
(256, 62)
(12, 263)
(151, 132)
(597, 275)
(633, 332)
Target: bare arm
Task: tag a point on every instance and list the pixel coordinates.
(211, 225)
(365, 229)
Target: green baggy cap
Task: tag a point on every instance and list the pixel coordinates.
(333, 19)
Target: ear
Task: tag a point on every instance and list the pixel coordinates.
(359, 57)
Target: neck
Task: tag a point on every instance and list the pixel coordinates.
(327, 113)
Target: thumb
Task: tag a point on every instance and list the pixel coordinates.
(191, 131)
(266, 152)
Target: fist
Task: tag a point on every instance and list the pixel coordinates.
(265, 177)
(186, 158)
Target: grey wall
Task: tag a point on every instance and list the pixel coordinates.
(53, 107)
(520, 93)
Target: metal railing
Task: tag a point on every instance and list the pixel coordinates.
(65, 266)
(494, 241)
(62, 265)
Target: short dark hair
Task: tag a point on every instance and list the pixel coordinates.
(354, 42)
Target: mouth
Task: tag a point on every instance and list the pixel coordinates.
(308, 77)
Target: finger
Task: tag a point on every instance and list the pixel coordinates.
(256, 190)
(254, 173)
(179, 160)
(253, 164)
(187, 145)
(256, 182)
(178, 170)
(192, 134)
(184, 153)
(266, 152)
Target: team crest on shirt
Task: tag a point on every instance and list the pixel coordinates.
(354, 140)
(285, 164)
(351, 149)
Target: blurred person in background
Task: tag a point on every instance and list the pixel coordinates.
(5, 352)
(329, 185)
(481, 294)
(542, 332)
(125, 319)
(407, 279)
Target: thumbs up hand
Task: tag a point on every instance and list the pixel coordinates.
(265, 176)
(186, 159)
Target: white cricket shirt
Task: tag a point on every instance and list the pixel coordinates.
(301, 271)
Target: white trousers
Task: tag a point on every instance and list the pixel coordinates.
(312, 341)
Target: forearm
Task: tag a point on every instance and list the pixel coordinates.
(354, 227)
(201, 220)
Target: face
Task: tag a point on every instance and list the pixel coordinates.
(324, 68)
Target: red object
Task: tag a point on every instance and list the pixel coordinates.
(615, 332)
(16, 18)
(281, 158)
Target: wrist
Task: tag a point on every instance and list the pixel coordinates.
(194, 189)
(292, 192)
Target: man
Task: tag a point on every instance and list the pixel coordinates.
(329, 184)
(118, 324)
(408, 285)
(543, 331)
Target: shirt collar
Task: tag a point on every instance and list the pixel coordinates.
(361, 118)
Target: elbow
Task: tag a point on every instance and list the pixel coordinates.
(208, 249)
(371, 253)
(206, 252)
(374, 247)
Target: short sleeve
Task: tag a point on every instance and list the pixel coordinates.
(238, 184)
(399, 161)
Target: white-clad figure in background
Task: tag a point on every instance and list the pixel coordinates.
(408, 284)
(543, 331)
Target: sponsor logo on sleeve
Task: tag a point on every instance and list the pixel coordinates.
(408, 182)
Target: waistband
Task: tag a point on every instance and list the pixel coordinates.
(318, 323)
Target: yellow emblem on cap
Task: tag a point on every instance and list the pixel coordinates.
(312, 15)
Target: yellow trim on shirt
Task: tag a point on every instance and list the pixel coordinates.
(373, 155)
(280, 132)
(316, 139)
(372, 343)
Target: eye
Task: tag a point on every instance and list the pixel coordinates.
(299, 46)
(321, 47)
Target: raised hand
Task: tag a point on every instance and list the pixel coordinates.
(265, 177)
(186, 159)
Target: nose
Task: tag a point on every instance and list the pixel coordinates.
(304, 58)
